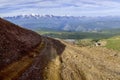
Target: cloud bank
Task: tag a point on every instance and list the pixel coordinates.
(60, 7)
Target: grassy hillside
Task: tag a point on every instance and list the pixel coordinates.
(113, 43)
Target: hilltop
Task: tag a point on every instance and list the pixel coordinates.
(25, 55)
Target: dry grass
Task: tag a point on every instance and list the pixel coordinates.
(90, 63)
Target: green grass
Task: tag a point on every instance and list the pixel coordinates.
(77, 35)
(113, 43)
(85, 42)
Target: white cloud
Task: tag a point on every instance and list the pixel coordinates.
(60, 7)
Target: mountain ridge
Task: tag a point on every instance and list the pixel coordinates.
(65, 23)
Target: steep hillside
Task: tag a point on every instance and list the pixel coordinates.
(15, 42)
(25, 55)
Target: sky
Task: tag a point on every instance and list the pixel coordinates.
(60, 7)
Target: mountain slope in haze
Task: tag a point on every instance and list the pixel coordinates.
(49, 59)
(65, 23)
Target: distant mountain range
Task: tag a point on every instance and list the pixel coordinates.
(65, 23)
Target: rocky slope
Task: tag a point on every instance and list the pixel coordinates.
(25, 55)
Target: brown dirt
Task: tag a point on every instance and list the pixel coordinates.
(15, 42)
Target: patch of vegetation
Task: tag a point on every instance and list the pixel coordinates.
(113, 43)
(85, 42)
(78, 35)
